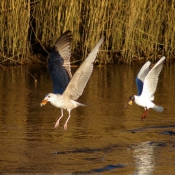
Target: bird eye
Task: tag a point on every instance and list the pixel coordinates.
(49, 96)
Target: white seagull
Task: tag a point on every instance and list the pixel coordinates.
(146, 82)
(67, 89)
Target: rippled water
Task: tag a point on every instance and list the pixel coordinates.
(104, 137)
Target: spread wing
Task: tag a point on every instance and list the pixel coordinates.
(141, 76)
(82, 75)
(59, 63)
(151, 80)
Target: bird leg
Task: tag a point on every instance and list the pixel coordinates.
(57, 123)
(144, 114)
(65, 125)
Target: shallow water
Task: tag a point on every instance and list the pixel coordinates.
(104, 137)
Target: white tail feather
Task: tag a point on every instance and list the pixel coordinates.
(158, 108)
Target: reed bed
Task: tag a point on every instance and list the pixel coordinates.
(139, 29)
(14, 22)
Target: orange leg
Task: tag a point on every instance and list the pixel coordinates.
(144, 114)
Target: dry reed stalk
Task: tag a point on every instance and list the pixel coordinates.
(133, 29)
(14, 21)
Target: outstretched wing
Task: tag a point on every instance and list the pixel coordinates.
(59, 63)
(82, 75)
(141, 76)
(151, 80)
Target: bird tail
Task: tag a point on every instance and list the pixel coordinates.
(80, 104)
(158, 108)
(77, 103)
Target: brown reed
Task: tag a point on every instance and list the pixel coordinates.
(139, 29)
(14, 22)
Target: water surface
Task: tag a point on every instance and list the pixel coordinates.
(104, 137)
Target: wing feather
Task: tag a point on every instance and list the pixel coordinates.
(151, 80)
(62, 46)
(141, 76)
(82, 75)
(59, 63)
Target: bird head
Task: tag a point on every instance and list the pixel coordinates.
(131, 100)
(47, 98)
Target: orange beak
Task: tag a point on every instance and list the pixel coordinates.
(130, 102)
(43, 102)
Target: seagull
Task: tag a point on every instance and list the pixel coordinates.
(146, 82)
(67, 88)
